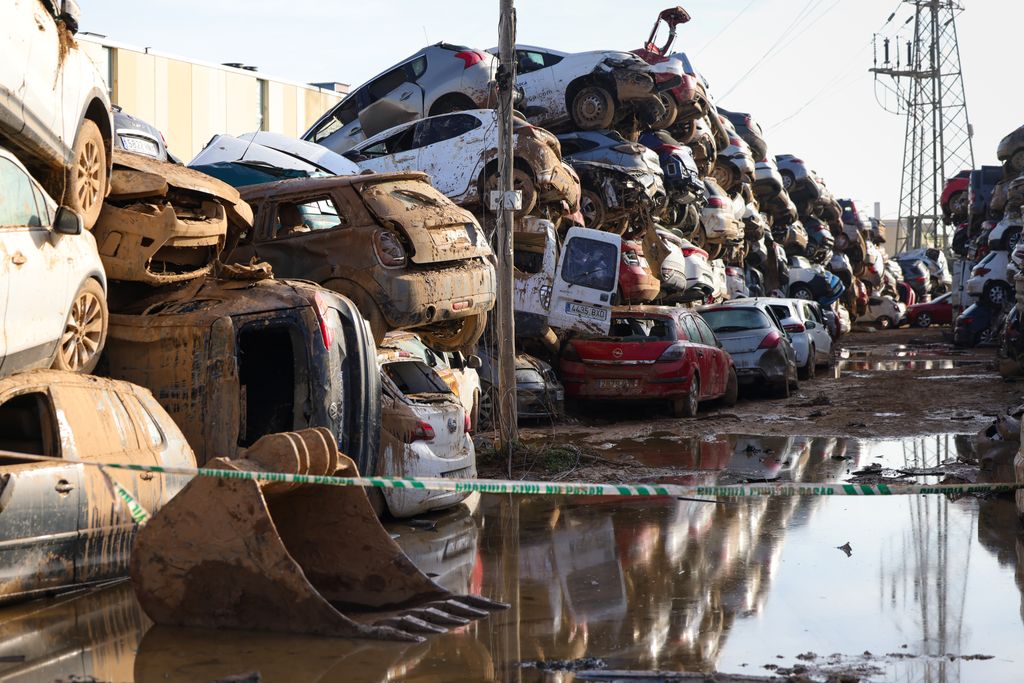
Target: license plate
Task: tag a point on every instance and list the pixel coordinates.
(616, 384)
(585, 311)
(742, 363)
(140, 145)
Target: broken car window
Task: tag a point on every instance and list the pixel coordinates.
(27, 426)
(415, 377)
(386, 83)
(529, 60)
(441, 128)
(318, 214)
(589, 263)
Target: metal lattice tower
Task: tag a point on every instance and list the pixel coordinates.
(929, 89)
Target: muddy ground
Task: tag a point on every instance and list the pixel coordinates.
(893, 383)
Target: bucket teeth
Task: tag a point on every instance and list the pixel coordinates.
(459, 608)
(411, 624)
(439, 617)
(480, 602)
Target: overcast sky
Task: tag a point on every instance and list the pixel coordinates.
(812, 93)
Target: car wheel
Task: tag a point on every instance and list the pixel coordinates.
(593, 108)
(732, 389)
(85, 181)
(807, 371)
(671, 111)
(687, 407)
(801, 291)
(521, 181)
(85, 331)
(459, 335)
(485, 408)
(997, 293)
(725, 174)
(923, 320)
(884, 322)
(1010, 241)
(685, 132)
(592, 209)
(788, 180)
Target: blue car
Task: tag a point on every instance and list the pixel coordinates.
(970, 328)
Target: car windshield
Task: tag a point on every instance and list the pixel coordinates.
(414, 377)
(630, 329)
(735, 319)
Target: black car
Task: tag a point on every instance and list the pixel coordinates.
(135, 135)
(539, 394)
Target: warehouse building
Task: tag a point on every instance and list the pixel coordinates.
(191, 101)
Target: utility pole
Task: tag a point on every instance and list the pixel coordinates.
(508, 200)
(929, 90)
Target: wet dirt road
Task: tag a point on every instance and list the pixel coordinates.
(919, 588)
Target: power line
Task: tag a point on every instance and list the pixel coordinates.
(726, 27)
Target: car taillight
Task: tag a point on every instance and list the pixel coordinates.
(389, 249)
(422, 431)
(716, 203)
(470, 57)
(630, 258)
(966, 321)
(977, 271)
(795, 327)
(321, 308)
(694, 251)
(467, 424)
(570, 352)
(674, 352)
(770, 341)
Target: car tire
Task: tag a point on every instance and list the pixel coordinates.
(85, 180)
(997, 293)
(592, 208)
(85, 331)
(801, 291)
(923, 320)
(884, 322)
(685, 132)
(807, 371)
(485, 408)
(788, 180)
(687, 407)
(725, 174)
(592, 108)
(458, 335)
(732, 389)
(521, 181)
(671, 111)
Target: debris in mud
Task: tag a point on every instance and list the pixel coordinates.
(565, 664)
(846, 548)
(820, 399)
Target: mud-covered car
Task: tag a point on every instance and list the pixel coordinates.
(678, 100)
(164, 223)
(1011, 151)
(61, 523)
(539, 394)
(234, 360)
(459, 152)
(54, 107)
(590, 90)
(439, 79)
(263, 157)
(425, 432)
(135, 135)
(402, 251)
(53, 292)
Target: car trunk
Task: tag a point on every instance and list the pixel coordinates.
(742, 342)
(437, 230)
(639, 339)
(431, 402)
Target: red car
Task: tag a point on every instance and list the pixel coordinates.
(935, 312)
(954, 198)
(681, 102)
(651, 352)
(637, 284)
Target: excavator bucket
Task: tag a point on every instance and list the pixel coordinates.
(281, 556)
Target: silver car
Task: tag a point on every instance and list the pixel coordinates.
(438, 79)
(807, 330)
(135, 135)
(761, 348)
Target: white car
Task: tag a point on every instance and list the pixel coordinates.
(736, 281)
(53, 291)
(264, 149)
(885, 311)
(425, 432)
(54, 108)
(989, 280)
(686, 273)
(459, 153)
(807, 329)
(589, 90)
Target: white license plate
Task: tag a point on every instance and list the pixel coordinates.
(585, 311)
(140, 145)
(616, 384)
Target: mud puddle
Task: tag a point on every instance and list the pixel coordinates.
(899, 588)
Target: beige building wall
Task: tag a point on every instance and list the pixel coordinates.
(192, 101)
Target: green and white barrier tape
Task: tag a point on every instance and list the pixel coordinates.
(551, 488)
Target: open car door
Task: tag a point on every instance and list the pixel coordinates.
(585, 281)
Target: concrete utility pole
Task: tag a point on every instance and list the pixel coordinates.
(507, 202)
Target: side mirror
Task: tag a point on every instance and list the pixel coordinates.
(67, 222)
(810, 324)
(474, 362)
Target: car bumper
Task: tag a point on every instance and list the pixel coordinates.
(638, 287)
(419, 460)
(557, 184)
(417, 297)
(539, 403)
(625, 382)
(757, 367)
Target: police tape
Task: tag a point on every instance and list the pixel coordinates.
(555, 488)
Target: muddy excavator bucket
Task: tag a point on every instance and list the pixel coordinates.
(281, 556)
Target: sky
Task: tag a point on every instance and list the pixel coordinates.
(812, 92)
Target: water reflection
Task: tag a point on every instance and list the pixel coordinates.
(657, 583)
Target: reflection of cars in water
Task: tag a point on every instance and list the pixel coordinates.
(447, 552)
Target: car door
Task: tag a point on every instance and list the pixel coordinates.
(18, 20)
(542, 101)
(105, 432)
(450, 150)
(393, 98)
(702, 358)
(719, 359)
(396, 152)
(585, 281)
(814, 321)
(39, 501)
(38, 272)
